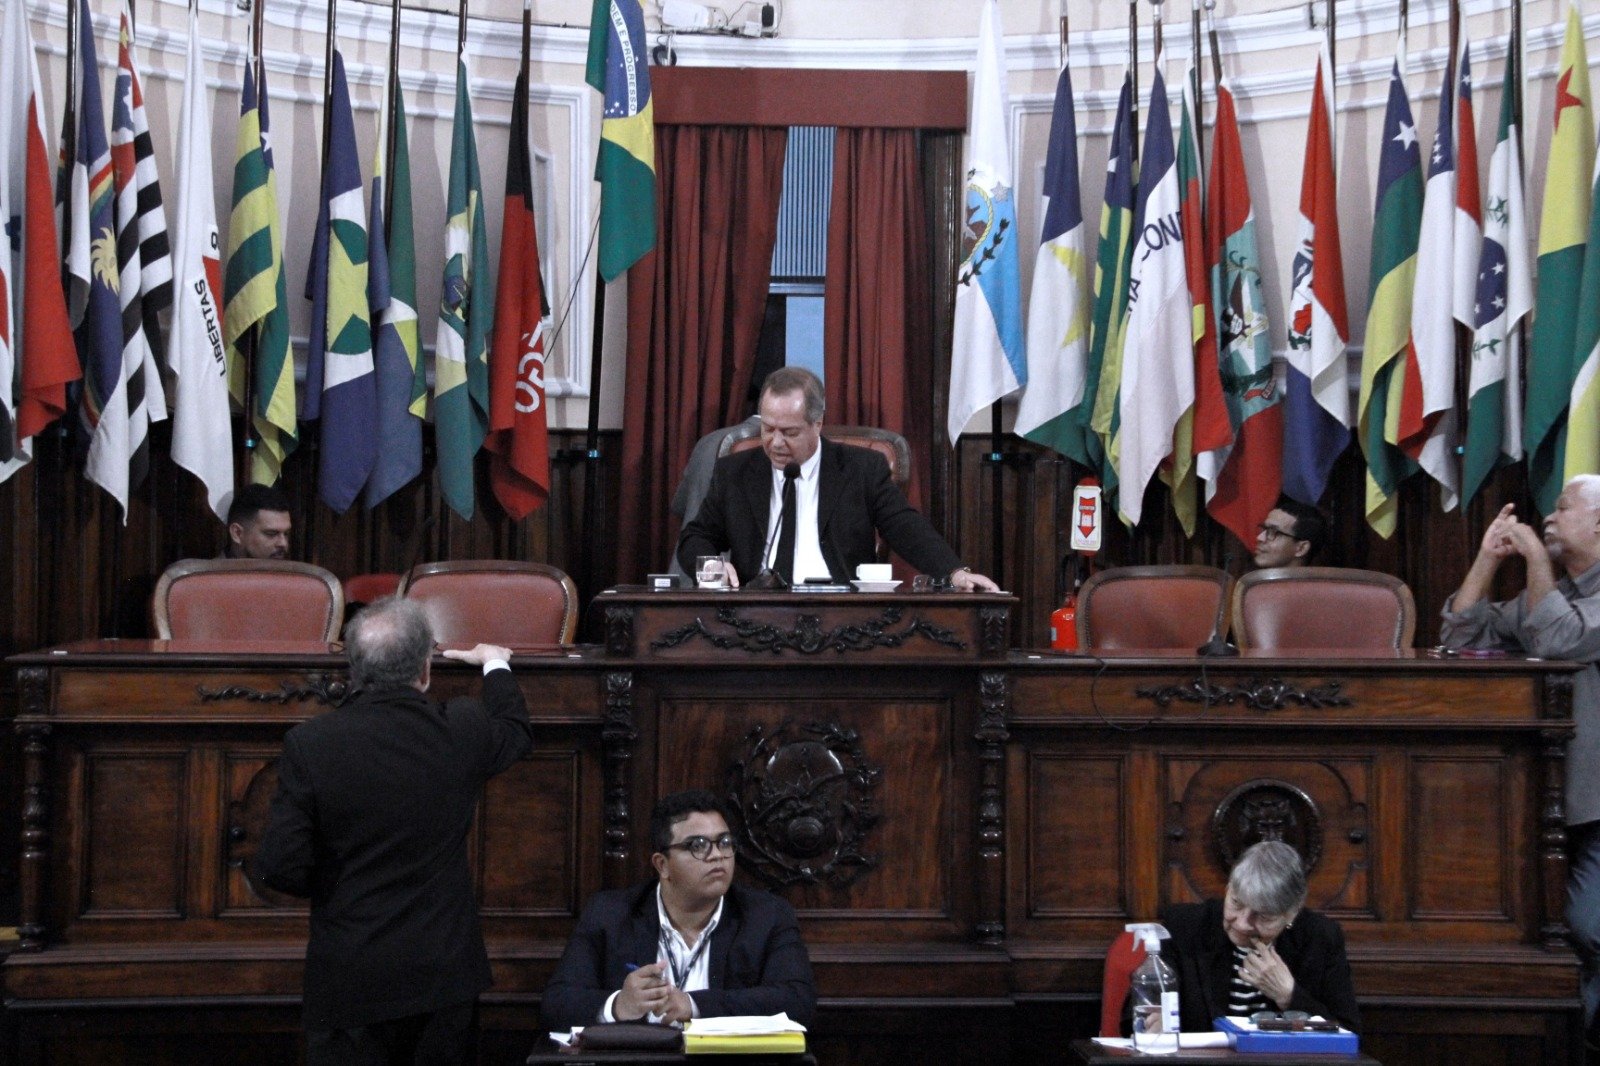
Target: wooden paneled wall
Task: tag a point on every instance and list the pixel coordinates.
(75, 571)
(1430, 550)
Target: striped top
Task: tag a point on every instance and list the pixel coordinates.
(1244, 999)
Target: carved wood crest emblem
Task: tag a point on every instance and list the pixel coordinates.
(1265, 809)
(804, 796)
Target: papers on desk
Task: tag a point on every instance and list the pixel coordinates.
(1184, 1040)
(744, 1034)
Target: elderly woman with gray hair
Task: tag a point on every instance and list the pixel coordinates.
(1259, 948)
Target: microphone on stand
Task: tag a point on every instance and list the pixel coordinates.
(769, 579)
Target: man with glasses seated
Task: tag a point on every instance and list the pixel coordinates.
(1292, 535)
(688, 943)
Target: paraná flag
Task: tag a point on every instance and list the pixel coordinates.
(1426, 429)
(626, 166)
(202, 439)
(1053, 410)
(1397, 219)
(1563, 238)
(519, 434)
(466, 309)
(37, 359)
(1158, 353)
(255, 295)
(392, 303)
(1504, 298)
(1249, 480)
(987, 360)
(1112, 261)
(1316, 400)
(341, 390)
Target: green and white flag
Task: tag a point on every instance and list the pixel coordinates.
(466, 314)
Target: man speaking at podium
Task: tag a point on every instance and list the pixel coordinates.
(804, 507)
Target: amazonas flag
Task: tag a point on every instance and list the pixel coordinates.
(1112, 260)
(626, 166)
(987, 359)
(1158, 354)
(1426, 429)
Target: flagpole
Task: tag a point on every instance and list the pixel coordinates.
(1062, 44)
(389, 135)
(1133, 72)
(247, 345)
(591, 435)
(1333, 36)
(1196, 80)
(1216, 50)
(461, 29)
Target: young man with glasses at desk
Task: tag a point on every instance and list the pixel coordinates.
(689, 943)
(1292, 535)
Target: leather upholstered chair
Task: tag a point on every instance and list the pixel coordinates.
(1153, 607)
(247, 599)
(1310, 607)
(495, 601)
(887, 443)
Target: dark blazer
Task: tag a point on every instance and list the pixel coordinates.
(1313, 949)
(370, 821)
(758, 962)
(856, 500)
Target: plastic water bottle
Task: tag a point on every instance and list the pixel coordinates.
(1153, 991)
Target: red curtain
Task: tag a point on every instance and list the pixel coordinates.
(877, 321)
(695, 306)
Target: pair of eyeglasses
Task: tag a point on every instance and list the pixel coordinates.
(702, 847)
(1272, 532)
(1290, 1021)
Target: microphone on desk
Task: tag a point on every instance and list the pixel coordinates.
(1217, 647)
(769, 579)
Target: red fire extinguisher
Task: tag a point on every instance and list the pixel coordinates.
(1064, 619)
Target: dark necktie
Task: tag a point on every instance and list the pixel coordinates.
(785, 559)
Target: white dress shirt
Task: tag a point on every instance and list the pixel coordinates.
(808, 560)
(699, 975)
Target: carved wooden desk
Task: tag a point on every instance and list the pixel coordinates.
(962, 828)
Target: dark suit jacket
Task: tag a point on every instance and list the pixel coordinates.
(856, 499)
(370, 821)
(758, 962)
(1313, 949)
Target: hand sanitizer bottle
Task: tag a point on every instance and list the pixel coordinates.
(1153, 991)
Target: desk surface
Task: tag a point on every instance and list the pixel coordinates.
(1089, 1053)
(547, 1053)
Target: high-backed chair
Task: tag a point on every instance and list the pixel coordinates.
(495, 601)
(1153, 607)
(887, 443)
(1290, 608)
(246, 599)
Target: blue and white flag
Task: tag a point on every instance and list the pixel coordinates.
(339, 357)
(1058, 309)
(987, 361)
(1158, 354)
